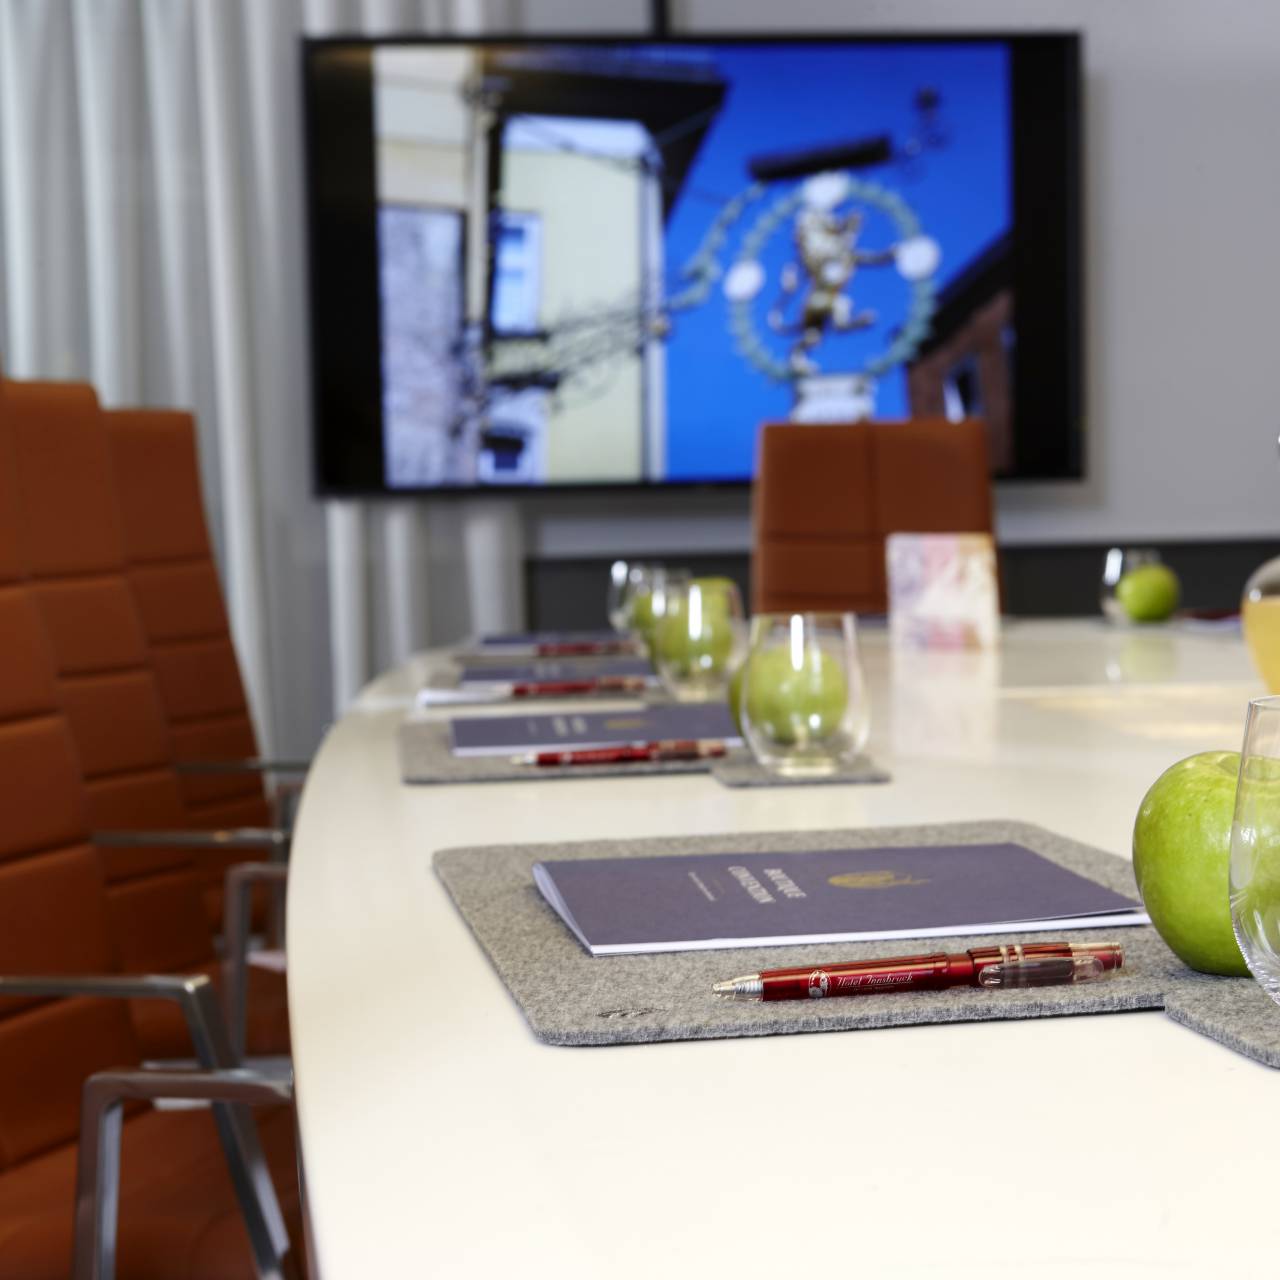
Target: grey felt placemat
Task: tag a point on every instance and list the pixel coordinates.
(1236, 1012)
(739, 769)
(571, 998)
(426, 757)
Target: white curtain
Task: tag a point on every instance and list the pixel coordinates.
(151, 241)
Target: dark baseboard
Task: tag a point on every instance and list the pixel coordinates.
(1039, 581)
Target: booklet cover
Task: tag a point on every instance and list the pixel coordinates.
(552, 670)
(617, 906)
(580, 730)
(529, 641)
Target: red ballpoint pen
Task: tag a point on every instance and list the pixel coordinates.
(577, 648)
(1032, 964)
(558, 688)
(671, 750)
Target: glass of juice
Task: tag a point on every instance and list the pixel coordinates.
(1260, 619)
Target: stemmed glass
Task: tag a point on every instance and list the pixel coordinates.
(1254, 876)
(802, 702)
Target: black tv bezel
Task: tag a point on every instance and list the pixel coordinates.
(344, 297)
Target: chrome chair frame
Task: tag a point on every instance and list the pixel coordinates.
(235, 898)
(230, 1091)
(237, 905)
(284, 795)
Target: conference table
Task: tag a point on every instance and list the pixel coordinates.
(440, 1138)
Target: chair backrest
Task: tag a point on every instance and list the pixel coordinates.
(826, 497)
(53, 916)
(71, 555)
(170, 564)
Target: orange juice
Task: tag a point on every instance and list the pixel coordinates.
(1261, 621)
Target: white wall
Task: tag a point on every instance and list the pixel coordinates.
(1182, 195)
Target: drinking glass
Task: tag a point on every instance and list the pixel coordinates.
(802, 701)
(1119, 561)
(1254, 876)
(619, 578)
(699, 638)
(1260, 619)
(628, 582)
(651, 587)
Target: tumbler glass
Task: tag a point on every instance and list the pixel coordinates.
(1260, 618)
(651, 587)
(1119, 561)
(699, 638)
(619, 580)
(1254, 876)
(803, 705)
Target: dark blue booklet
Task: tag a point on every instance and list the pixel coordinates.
(584, 730)
(617, 906)
(530, 641)
(554, 670)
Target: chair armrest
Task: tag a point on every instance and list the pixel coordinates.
(236, 910)
(282, 792)
(195, 840)
(228, 1084)
(98, 1160)
(193, 993)
(248, 764)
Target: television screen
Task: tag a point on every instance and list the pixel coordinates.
(603, 263)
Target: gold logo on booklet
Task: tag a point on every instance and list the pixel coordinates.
(872, 880)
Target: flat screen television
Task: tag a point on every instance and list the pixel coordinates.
(572, 263)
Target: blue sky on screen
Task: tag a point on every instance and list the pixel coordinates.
(799, 97)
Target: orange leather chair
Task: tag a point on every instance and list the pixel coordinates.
(71, 554)
(826, 497)
(170, 566)
(63, 1018)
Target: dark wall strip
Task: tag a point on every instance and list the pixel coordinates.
(1041, 581)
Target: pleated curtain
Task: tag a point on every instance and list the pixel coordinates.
(152, 242)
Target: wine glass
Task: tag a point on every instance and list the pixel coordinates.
(1254, 875)
(696, 641)
(802, 702)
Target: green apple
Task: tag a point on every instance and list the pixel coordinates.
(706, 652)
(719, 589)
(1148, 593)
(1181, 852)
(703, 649)
(640, 616)
(790, 705)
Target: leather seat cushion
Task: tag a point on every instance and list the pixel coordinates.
(178, 1215)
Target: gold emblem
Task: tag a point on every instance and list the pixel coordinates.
(872, 880)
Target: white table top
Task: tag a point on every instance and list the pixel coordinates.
(440, 1139)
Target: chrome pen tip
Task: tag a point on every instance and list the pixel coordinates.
(748, 988)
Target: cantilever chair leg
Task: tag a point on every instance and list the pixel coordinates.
(237, 1132)
(236, 912)
(278, 856)
(211, 840)
(98, 1167)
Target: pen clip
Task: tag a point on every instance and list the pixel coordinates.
(1042, 971)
